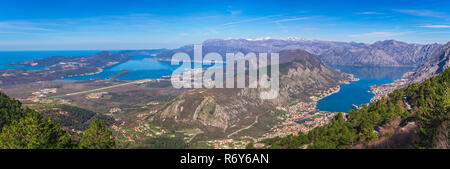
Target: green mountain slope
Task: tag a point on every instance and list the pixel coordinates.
(425, 105)
(23, 128)
(10, 110)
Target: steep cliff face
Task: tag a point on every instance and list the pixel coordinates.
(302, 75)
(438, 62)
(435, 64)
(382, 53)
(220, 108)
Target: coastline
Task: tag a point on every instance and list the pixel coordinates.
(304, 116)
(333, 90)
(383, 90)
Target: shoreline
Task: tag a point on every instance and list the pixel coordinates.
(336, 89)
(305, 111)
(383, 90)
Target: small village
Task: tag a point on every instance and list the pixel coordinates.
(382, 90)
(41, 96)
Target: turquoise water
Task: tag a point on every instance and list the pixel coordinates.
(140, 67)
(9, 57)
(357, 92)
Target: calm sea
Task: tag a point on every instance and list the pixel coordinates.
(140, 66)
(8, 57)
(357, 92)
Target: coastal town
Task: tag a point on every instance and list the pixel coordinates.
(382, 90)
(300, 117)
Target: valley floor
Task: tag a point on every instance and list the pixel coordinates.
(127, 100)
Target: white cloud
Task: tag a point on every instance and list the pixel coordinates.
(22, 25)
(235, 12)
(378, 34)
(291, 19)
(7, 32)
(248, 20)
(368, 13)
(426, 13)
(435, 26)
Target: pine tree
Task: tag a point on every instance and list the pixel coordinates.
(10, 110)
(97, 136)
(34, 132)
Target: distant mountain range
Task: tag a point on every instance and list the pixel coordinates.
(435, 64)
(220, 111)
(381, 53)
(438, 62)
(152, 52)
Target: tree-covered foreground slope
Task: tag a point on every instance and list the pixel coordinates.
(425, 105)
(23, 128)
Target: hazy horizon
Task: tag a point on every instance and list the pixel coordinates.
(31, 50)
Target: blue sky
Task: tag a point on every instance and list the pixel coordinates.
(114, 24)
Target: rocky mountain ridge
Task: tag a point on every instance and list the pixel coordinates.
(381, 53)
(437, 62)
(302, 77)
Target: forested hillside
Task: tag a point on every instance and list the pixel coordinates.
(23, 128)
(10, 110)
(424, 104)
